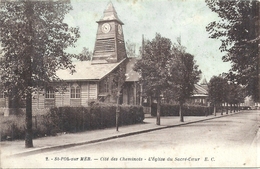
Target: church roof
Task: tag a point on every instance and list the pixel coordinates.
(87, 71)
(110, 14)
(199, 91)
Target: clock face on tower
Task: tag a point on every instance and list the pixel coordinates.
(106, 28)
(119, 29)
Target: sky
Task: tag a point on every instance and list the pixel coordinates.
(171, 18)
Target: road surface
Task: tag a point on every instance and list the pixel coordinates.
(231, 141)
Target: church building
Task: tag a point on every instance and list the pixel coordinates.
(95, 80)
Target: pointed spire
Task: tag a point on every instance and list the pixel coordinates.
(110, 8)
(204, 81)
(110, 14)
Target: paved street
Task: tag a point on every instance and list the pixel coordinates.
(231, 141)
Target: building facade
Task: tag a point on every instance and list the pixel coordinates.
(95, 80)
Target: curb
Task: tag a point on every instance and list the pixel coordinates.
(53, 148)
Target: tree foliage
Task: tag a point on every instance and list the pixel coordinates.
(34, 39)
(153, 65)
(33, 32)
(218, 89)
(183, 73)
(153, 68)
(85, 55)
(238, 31)
(167, 71)
(235, 94)
(130, 49)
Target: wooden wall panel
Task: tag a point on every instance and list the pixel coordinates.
(41, 101)
(59, 99)
(93, 91)
(105, 45)
(84, 94)
(2, 102)
(75, 102)
(66, 96)
(125, 95)
(35, 100)
(48, 103)
(38, 100)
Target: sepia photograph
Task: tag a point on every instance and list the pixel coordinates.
(129, 83)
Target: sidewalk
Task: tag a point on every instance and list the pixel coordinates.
(51, 143)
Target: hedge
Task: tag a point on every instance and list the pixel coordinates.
(71, 119)
(188, 110)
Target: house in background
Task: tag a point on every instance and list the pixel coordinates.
(200, 95)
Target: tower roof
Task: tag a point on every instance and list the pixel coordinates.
(110, 14)
(204, 82)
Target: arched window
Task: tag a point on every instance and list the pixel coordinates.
(49, 93)
(74, 91)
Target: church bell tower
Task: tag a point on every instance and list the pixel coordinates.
(110, 44)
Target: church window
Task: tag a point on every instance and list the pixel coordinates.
(74, 91)
(49, 93)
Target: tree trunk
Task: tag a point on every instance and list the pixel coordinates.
(180, 113)
(28, 122)
(226, 108)
(117, 110)
(221, 108)
(158, 120)
(28, 77)
(231, 108)
(215, 110)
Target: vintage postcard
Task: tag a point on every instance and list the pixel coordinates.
(129, 84)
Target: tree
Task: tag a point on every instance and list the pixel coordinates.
(84, 55)
(152, 67)
(217, 91)
(130, 48)
(33, 38)
(118, 82)
(235, 95)
(238, 31)
(183, 74)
